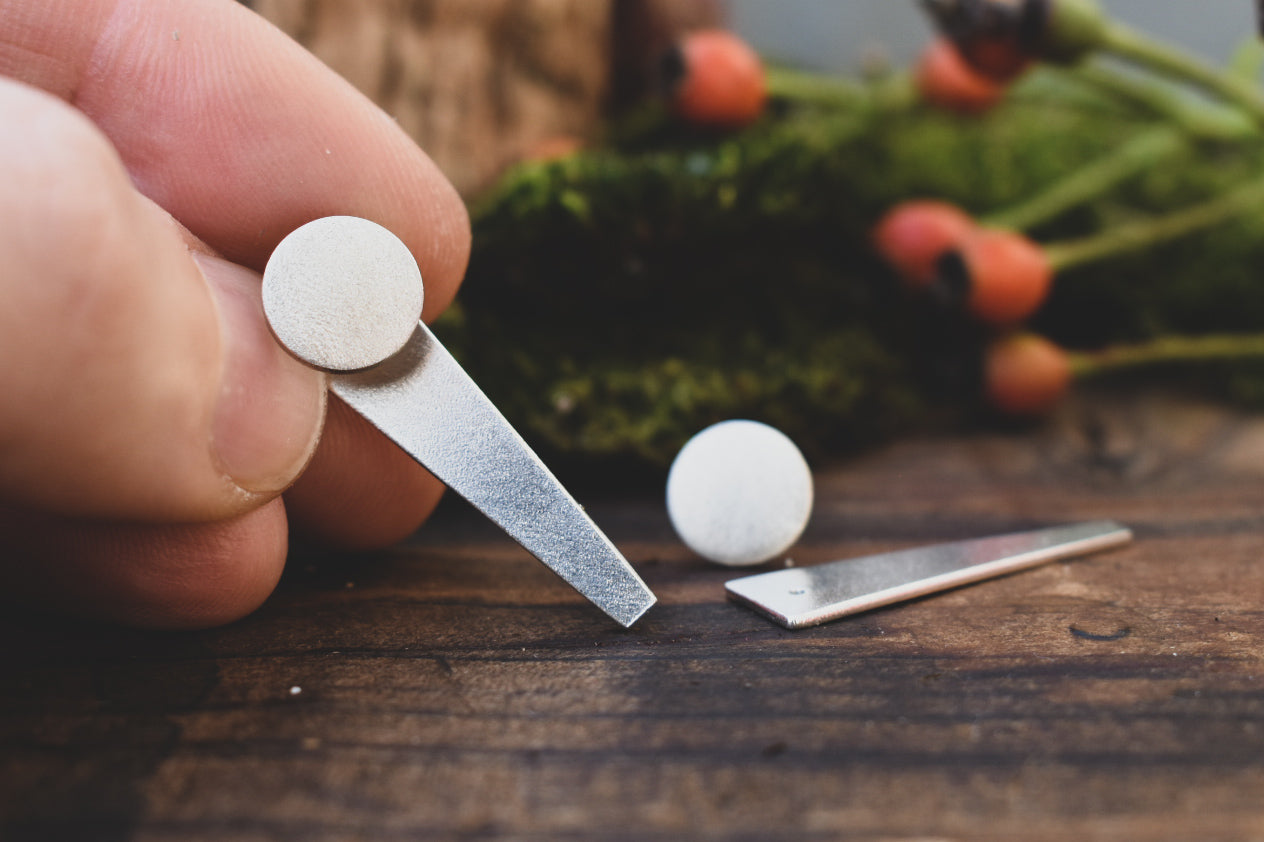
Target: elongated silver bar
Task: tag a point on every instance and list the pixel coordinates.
(808, 596)
(344, 295)
(424, 401)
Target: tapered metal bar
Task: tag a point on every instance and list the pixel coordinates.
(424, 401)
(808, 596)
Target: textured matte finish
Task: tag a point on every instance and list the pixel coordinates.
(739, 493)
(801, 597)
(342, 293)
(426, 403)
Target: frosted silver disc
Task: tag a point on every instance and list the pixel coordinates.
(342, 293)
(739, 493)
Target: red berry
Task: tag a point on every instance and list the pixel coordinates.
(1000, 59)
(913, 235)
(1025, 374)
(1005, 276)
(721, 80)
(945, 80)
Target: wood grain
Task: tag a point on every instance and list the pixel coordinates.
(453, 689)
(477, 83)
(480, 84)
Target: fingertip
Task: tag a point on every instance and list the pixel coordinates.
(145, 576)
(360, 491)
(142, 382)
(271, 407)
(237, 131)
(236, 573)
(244, 136)
(442, 244)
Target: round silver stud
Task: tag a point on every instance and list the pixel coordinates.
(739, 493)
(342, 293)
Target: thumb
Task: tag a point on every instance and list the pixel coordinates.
(140, 381)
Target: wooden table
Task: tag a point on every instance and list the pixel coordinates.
(454, 689)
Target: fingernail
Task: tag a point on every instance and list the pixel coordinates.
(270, 407)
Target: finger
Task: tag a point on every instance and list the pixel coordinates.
(244, 136)
(168, 576)
(140, 381)
(360, 490)
(235, 129)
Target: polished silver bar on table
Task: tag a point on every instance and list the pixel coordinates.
(799, 597)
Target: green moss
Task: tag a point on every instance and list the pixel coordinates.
(619, 300)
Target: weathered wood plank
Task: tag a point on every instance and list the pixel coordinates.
(457, 690)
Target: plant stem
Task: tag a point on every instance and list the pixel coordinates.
(1148, 232)
(1132, 45)
(1167, 349)
(804, 86)
(1138, 154)
(1198, 116)
(892, 91)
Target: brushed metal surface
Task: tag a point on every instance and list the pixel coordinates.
(808, 596)
(344, 294)
(425, 402)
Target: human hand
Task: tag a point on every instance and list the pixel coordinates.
(155, 441)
